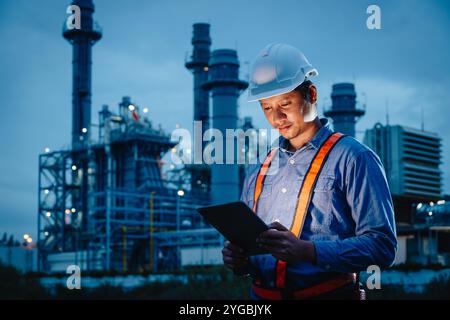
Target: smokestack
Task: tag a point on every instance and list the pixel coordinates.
(82, 41)
(198, 65)
(344, 111)
(225, 87)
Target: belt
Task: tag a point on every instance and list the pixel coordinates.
(316, 290)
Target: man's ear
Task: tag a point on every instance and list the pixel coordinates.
(312, 93)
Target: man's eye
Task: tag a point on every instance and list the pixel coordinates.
(285, 104)
(267, 108)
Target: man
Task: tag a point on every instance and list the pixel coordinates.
(327, 204)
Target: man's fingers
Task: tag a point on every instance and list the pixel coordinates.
(273, 234)
(230, 253)
(234, 247)
(278, 226)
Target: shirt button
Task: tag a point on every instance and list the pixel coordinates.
(292, 161)
(284, 190)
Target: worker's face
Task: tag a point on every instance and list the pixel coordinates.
(284, 112)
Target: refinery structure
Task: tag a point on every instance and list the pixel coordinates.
(108, 202)
(105, 204)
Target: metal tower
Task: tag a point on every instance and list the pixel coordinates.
(344, 110)
(225, 87)
(198, 64)
(82, 41)
(200, 175)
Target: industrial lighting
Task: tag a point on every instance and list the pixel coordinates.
(46, 233)
(430, 213)
(26, 236)
(172, 166)
(188, 151)
(131, 107)
(67, 211)
(84, 130)
(205, 69)
(199, 181)
(74, 167)
(145, 110)
(47, 150)
(46, 191)
(174, 150)
(263, 133)
(180, 193)
(73, 210)
(419, 206)
(48, 214)
(441, 202)
(29, 240)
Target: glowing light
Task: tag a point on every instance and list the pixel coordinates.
(205, 69)
(263, 133)
(180, 193)
(73, 210)
(84, 130)
(430, 213)
(47, 150)
(431, 203)
(74, 167)
(46, 233)
(29, 240)
(67, 211)
(48, 214)
(174, 150)
(145, 110)
(188, 151)
(177, 126)
(419, 205)
(46, 191)
(131, 107)
(26, 236)
(172, 166)
(199, 181)
(441, 202)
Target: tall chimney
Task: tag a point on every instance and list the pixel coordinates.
(225, 87)
(344, 110)
(82, 41)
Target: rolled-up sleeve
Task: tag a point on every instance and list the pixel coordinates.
(370, 201)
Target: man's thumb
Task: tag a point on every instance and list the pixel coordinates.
(278, 226)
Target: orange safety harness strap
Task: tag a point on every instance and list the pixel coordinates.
(304, 196)
(314, 291)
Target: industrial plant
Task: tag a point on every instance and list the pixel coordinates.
(111, 201)
(105, 204)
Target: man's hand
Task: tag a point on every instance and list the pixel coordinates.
(234, 257)
(284, 245)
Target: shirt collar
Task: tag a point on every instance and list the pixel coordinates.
(315, 142)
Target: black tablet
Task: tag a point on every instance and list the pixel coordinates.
(237, 223)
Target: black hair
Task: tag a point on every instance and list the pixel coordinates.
(303, 89)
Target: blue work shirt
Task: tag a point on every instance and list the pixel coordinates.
(350, 218)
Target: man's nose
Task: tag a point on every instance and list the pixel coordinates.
(278, 115)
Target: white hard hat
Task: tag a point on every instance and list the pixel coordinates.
(279, 68)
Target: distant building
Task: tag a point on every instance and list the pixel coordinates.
(411, 158)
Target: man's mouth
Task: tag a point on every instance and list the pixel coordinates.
(283, 128)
